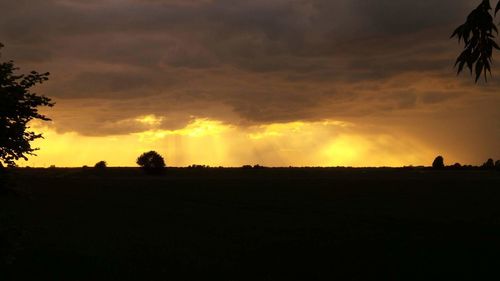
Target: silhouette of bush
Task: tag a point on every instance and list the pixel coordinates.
(194, 166)
(438, 163)
(246, 167)
(151, 162)
(497, 165)
(489, 164)
(456, 166)
(101, 165)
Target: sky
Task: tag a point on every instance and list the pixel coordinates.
(269, 82)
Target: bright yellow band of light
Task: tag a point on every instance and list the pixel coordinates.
(213, 143)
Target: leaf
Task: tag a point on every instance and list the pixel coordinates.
(486, 4)
(494, 44)
(487, 68)
(457, 32)
(460, 67)
(479, 69)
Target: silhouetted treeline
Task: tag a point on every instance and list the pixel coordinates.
(490, 164)
(253, 167)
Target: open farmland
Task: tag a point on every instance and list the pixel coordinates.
(250, 224)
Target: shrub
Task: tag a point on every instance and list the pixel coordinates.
(151, 162)
(194, 166)
(497, 165)
(438, 163)
(101, 165)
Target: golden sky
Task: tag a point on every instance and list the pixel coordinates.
(209, 142)
(269, 82)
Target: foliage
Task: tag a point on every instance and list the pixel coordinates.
(438, 163)
(489, 164)
(101, 165)
(18, 106)
(151, 162)
(194, 166)
(478, 34)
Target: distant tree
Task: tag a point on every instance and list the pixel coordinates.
(151, 162)
(438, 163)
(457, 166)
(497, 165)
(18, 106)
(478, 34)
(101, 165)
(489, 164)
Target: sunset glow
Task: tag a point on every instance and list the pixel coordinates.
(209, 142)
(275, 83)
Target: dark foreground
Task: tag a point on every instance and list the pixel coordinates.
(234, 224)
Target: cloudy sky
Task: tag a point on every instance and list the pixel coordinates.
(270, 82)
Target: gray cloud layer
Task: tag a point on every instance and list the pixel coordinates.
(244, 62)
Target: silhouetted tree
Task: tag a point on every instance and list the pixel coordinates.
(497, 165)
(489, 164)
(101, 165)
(438, 163)
(151, 162)
(478, 34)
(18, 106)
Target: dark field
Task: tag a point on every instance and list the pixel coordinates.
(257, 224)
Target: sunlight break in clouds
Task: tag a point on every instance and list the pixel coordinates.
(249, 81)
(211, 142)
(150, 120)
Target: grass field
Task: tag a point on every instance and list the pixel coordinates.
(254, 224)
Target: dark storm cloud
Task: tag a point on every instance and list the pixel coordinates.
(261, 60)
